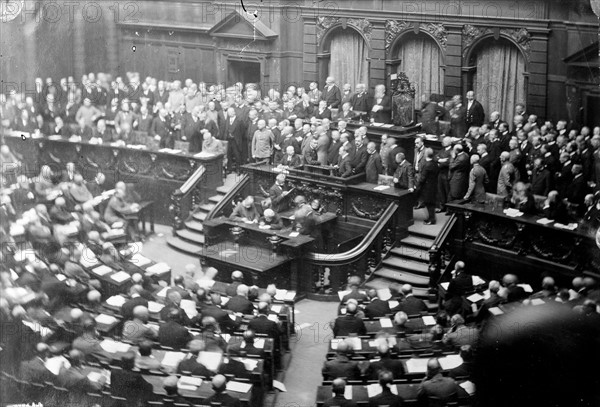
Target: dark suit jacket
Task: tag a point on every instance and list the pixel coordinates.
(541, 182)
(339, 401)
(129, 305)
(130, 385)
(231, 289)
(427, 183)
(279, 202)
(262, 325)
(333, 97)
(240, 304)
(235, 133)
(475, 115)
(345, 167)
(373, 168)
(325, 114)
(405, 175)
(341, 366)
(359, 161)
(386, 363)
(384, 115)
(386, 398)
(459, 175)
(35, 371)
(189, 364)
(360, 102)
(225, 399)
(411, 306)
(349, 324)
(173, 335)
(74, 380)
(377, 308)
(576, 190)
(392, 164)
(438, 386)
(464, 370)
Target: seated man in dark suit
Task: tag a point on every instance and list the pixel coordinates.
(271, 220)
(173, 302)
(493, 301)
(410, 304)
(384, 363)
(512, 291)
(435, 385)
(190, 365)
(353, 284)
(460, 334)
(219, 385)
(75, 379)
(240, 303)
(170, 386)
(461, 283)
(338, 388)
(172, 333)
(349, 324)
(403, 323)
(261, 324)
(386, 398)
(237, 278)
(341, 366)
(134, 300)
(89, 343)
(376, 308)
(245, 347)
(179, 286)
(221, 316)
(466, 368)
(211, 335)
(35, 370)
(128, 384)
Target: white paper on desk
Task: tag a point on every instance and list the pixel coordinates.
(544, 221)
(381, 187)
(375, 389)
(450, 362)
(88, 261)
(186, 387)
(342, 294)
(384, 294)
(120, 276)
(109, 346)
(354, 342)
(348, 392)
(54, 364)
(105, 319)
(162, 293)
(211, 360)
(259, 343)
(116, 300)
(477, 280)
(36, 327)
(393, 303)
(526, 287)
(189, 307)
(445, 285)
(273, 317)
(334, 343)
(94, 377)
(190, 381)
(158, 268)
(140, 260)
(279, 386)
(238, 387)
(487, 294)
(496, 311)
(290, 296)
(224, 301)
(428, 320)
(155, 307)
(476, 297)
(416, 365)
(469, 387)
(388, 126)
(537, 301)
(386, 323)
(61, 277)
(276, 308)
(249, 364)
(172, 359)
(280, 294)
(294, 234)
(102, 270)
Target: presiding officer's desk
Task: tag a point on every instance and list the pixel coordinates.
(489, 238)
(155, 174)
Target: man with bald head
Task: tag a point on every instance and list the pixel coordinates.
(172, 333)
(349, 324)
(508, 175)
(219, 386)
(548, 291)
(34, 370)
(237, 278)
(279, 193)
(376, 308)
(239, 302)
(261, 324)
(512, 291)
(338, 387)
(331, 93)
(461, 283)
(190, 365)
(135, 299)
(410, 304)
(59, 213)
(341, 365)
(436, 385)
(385, 363)
(137, 330)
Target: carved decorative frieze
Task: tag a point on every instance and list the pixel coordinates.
(361, 24)
(521, 36)
(392, 29)
(438, 31)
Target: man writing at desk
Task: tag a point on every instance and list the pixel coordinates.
(245, 211)
(271, 220)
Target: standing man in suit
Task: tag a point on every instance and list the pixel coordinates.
(381, 106)
(374, 166)
(436, 385)
(160, 129)
(477, 180)
(443, 162)
(386, 398)
(485, 160)
(541, 178)
(331, 94)
(360, 100)
(458, 173)
(404, 176)
(278, 194)
(344, 166)
(475, 114)
(359, 161)
(236, 144)
(427, 186)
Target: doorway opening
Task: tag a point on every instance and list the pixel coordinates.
(244, 72)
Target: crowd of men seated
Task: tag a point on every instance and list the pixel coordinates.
(455, 330)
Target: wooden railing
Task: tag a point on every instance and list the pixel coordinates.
(438, 253)
(362, 260)
(185, 198)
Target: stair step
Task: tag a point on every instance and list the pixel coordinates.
(183, 246)
(380, 282)
(195, 226)
(207, 207)
(201, 216)
(416, 267)
(410, 253)
(215, 198)
(419, 242)
(403, 277)
(428, 232)
(223, 189)
(192, 237)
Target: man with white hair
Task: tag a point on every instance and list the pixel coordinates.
(239, 302)
(381, 107)
(359, 100)
(508, 175)
(271, 220)
(331, 93)
(137, 330)
(245, 211)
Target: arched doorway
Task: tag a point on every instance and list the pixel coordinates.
(498, 76)
(421, 59)
(345, 56)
